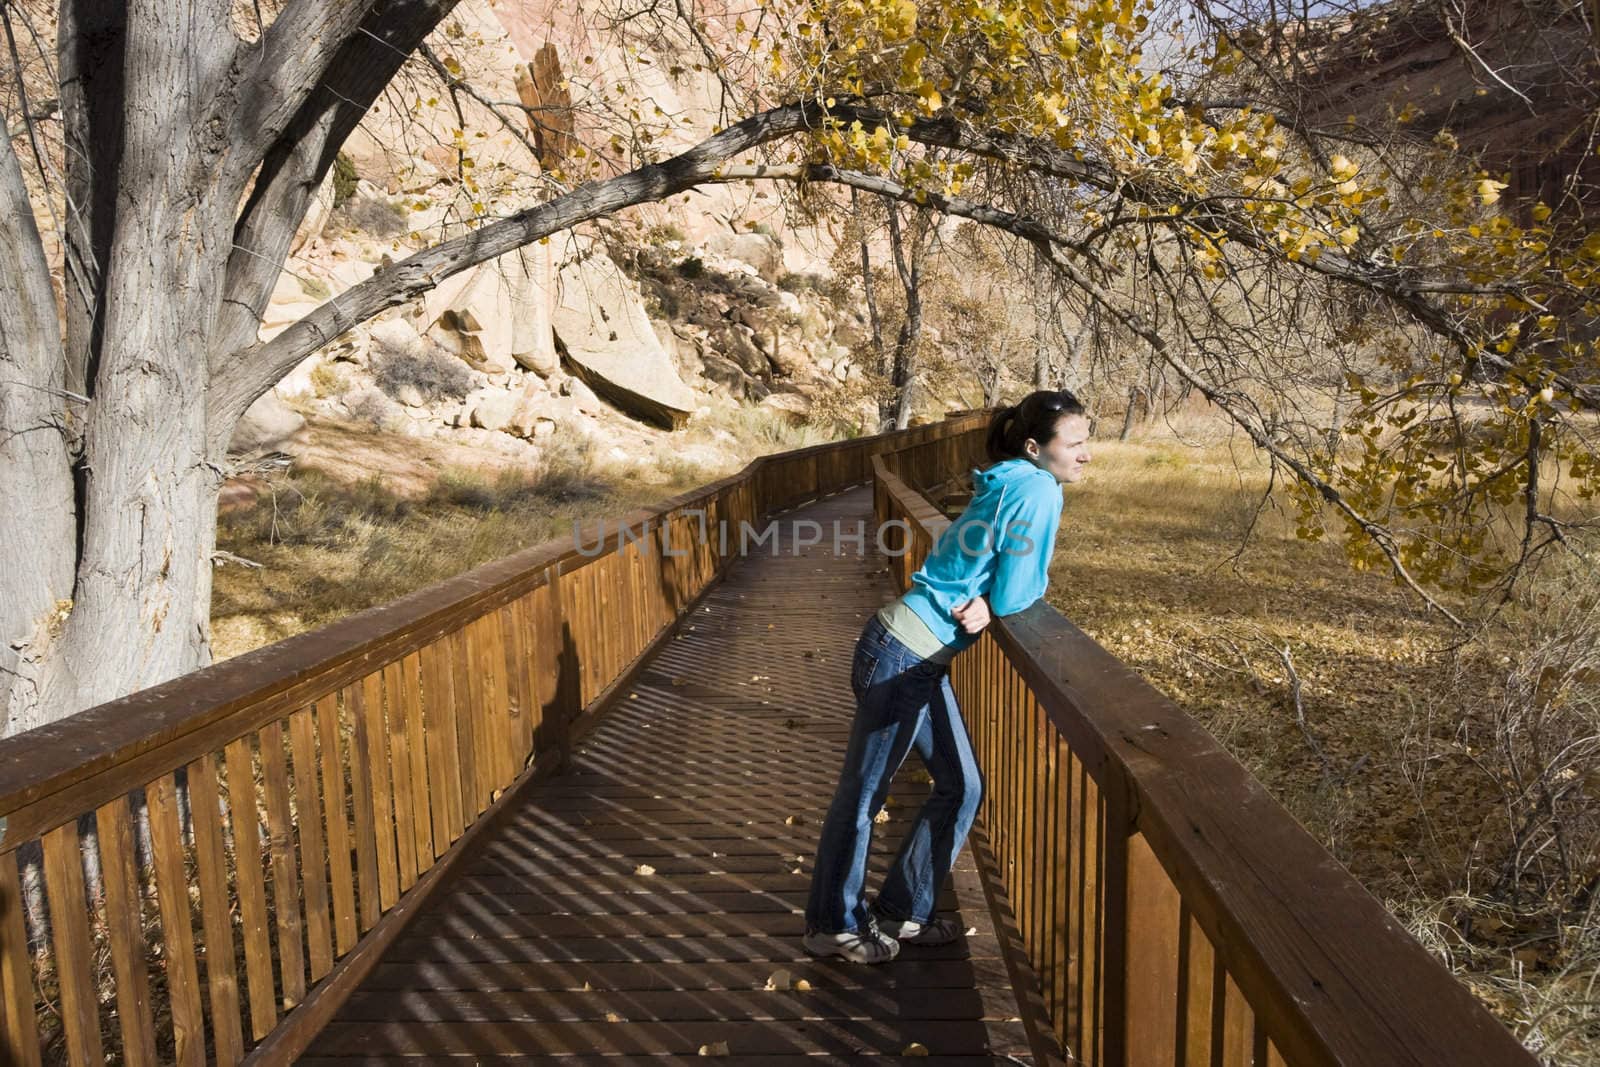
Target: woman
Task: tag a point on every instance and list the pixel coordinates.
(994, 559)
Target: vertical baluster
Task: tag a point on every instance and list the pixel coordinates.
(513, 625)
(366, 838)
(216, 910)
(444, 772)
(18, 1032)
(19, 1035)
(177, 922)
(1196, 962)
(1152, 924)
(251, 885)
(422, 802)
(337, 822)
(285, 874)
(69, 933)
(313, 842)
(398, 746)
(125, 927)
(375, 732)
(1233, 1023)
(469, 725)
(499, 687)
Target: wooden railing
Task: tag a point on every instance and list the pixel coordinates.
(1173, 911)
(237, 846)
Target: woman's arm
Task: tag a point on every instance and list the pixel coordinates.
(1026, 540)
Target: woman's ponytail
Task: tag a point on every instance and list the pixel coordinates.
(1000, 428)
(1035, 417)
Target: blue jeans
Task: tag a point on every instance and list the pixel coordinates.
(902, 701)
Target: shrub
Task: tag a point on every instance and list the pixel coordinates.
(433, 372)
(328, 380)
(344, 179)
(315, 288)
(692, 267)
(669, 231)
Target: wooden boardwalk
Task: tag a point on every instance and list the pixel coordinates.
(639, 905)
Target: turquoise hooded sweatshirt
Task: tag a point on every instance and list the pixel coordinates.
(1020, 502)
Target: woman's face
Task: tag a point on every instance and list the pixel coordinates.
(1066, 453)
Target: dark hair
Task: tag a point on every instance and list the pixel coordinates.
(1035, 417)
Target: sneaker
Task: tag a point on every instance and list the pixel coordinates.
(857, 946)
(937, 932)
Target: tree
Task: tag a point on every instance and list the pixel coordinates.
(191, 153)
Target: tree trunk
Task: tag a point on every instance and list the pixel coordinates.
(36, 498)
(1041, 322)
(908, 264)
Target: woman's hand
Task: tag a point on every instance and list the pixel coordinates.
(972, 616)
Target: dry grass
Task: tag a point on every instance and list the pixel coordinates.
(1384, 759)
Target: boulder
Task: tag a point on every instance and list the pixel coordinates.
(583, 398)
(601, 325)
(498, 316)
(762, 252)
(796, 407)
(494, 410)
(736, 342)
(396, 336)
(266, 424)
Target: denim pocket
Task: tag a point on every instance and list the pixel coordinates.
(868, 653)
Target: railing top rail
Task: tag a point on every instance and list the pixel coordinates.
(61, 769)
(1335, 978)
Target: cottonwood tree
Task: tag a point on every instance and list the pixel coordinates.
(192, 150)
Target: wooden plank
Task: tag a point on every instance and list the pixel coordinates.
(177, 921)
(337, 822)
(366, 836)
(69, 934)
(399, 746)
(444, 778)
(250, 880)
(1196, 970)
(216, 910)
(313, 843)
(376, 735)
(508, 766)
(285, 872)
(125, 930)
(1153, 918)
(19, 1036)
(515, 663)
(417, 749)
(468, 709)
(1233, 1025)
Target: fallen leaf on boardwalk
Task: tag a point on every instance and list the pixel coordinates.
(802, 986)
(716, 1048)
(799, 859)
(795, 871)
(680, 680)
(772, 626)
(914, 1049)
(781, 980)
(882, 816)
(644, 868)
(587, 988)
(793, 820)
(613, 1017)
(972, 931)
